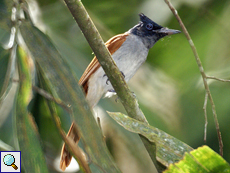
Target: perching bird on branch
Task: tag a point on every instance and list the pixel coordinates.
(129, 51)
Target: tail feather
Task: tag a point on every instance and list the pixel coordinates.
(65, 154)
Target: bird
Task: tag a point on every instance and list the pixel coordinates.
(129, 51)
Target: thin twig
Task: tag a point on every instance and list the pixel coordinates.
(215, 78)
(48, 96)
(205, 116)
(174, 11)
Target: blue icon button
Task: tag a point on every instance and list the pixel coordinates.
(9, 160)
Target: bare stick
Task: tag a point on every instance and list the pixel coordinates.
(215, 78)
(48, 96)
(205, 116)
(174, 11)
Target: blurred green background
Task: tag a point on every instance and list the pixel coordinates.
(168, 86)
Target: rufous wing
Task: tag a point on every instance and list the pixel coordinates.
(113, 45)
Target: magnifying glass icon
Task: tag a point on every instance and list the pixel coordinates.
(9, 160)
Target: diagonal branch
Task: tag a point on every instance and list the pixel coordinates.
(204, 77)
(113, 73)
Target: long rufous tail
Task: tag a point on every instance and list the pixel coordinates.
(113, 45)
(65, 154)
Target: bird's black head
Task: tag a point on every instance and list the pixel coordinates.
(150, 31)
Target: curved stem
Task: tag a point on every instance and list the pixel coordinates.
(204, 77)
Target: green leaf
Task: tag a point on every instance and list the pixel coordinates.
(5, 147)
(52, 109)
(169, 149)
(28, 139)
(5, 14)
(201, 160)
(64, 86)
(7, 68)
(4, 59)
(7, 88)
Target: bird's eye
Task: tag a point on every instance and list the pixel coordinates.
(149, 26)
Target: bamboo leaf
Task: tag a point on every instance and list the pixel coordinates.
(5, 147)
(7, 68)
(28, 139)
(5, 14)
(200, 160)
(4, 59)
(52, 108)
(169, 149)
(64, 86)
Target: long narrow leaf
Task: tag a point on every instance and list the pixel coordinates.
(7, 67)
(64, 86)
(5, 14)
(7, 92)
(169, 149)
(52, 109)
(4, 59)
(32, 156)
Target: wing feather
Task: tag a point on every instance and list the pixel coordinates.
(113, 45)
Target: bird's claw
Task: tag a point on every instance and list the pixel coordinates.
(122, 74)
(112, 91)
(106, 80)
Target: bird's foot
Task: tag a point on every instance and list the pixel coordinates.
(112, 91)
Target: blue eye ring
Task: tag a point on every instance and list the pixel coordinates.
(149, 26)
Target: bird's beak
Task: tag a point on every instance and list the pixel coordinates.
(168, 31)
